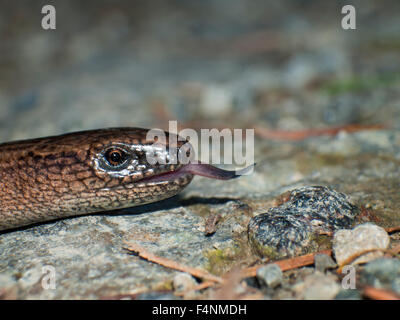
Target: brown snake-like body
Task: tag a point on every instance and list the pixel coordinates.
(86, 172)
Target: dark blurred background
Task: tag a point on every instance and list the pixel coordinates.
(284, 65)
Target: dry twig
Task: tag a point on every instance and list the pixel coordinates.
(287, 264)
(307, 133)
(393, 229)
(168, 263)
(380, 294)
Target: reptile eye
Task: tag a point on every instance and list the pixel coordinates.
(115, 157)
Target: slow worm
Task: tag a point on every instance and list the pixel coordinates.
(89, 171)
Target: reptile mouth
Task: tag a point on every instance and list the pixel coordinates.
(199, 169)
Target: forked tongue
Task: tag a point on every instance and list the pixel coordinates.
(209, 171)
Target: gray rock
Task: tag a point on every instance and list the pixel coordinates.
(183, 281)
(348, 294)
(318, 286)
(323, 262)
(382, 273)
(270, 275)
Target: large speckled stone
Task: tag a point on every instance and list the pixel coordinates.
(292, 228)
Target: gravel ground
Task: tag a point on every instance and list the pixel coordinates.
(276, 66)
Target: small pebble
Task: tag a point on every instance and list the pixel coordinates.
(270, 275)
(318, 286)
(183, 281)
(367, 236)
(348, 294)
(382, 273)
(322, 262)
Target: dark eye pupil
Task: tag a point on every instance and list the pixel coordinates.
(115, 157)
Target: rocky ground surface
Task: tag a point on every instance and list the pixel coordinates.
(325, 106)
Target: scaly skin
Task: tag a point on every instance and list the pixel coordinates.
(54, 177)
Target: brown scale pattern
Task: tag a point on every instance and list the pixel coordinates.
(53, 177)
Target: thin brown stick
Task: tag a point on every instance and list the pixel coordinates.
(287, 264)
(393, 229)
(326, 233)
(380, 294)
(198, 273)
(395, 250)
(307, 133)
